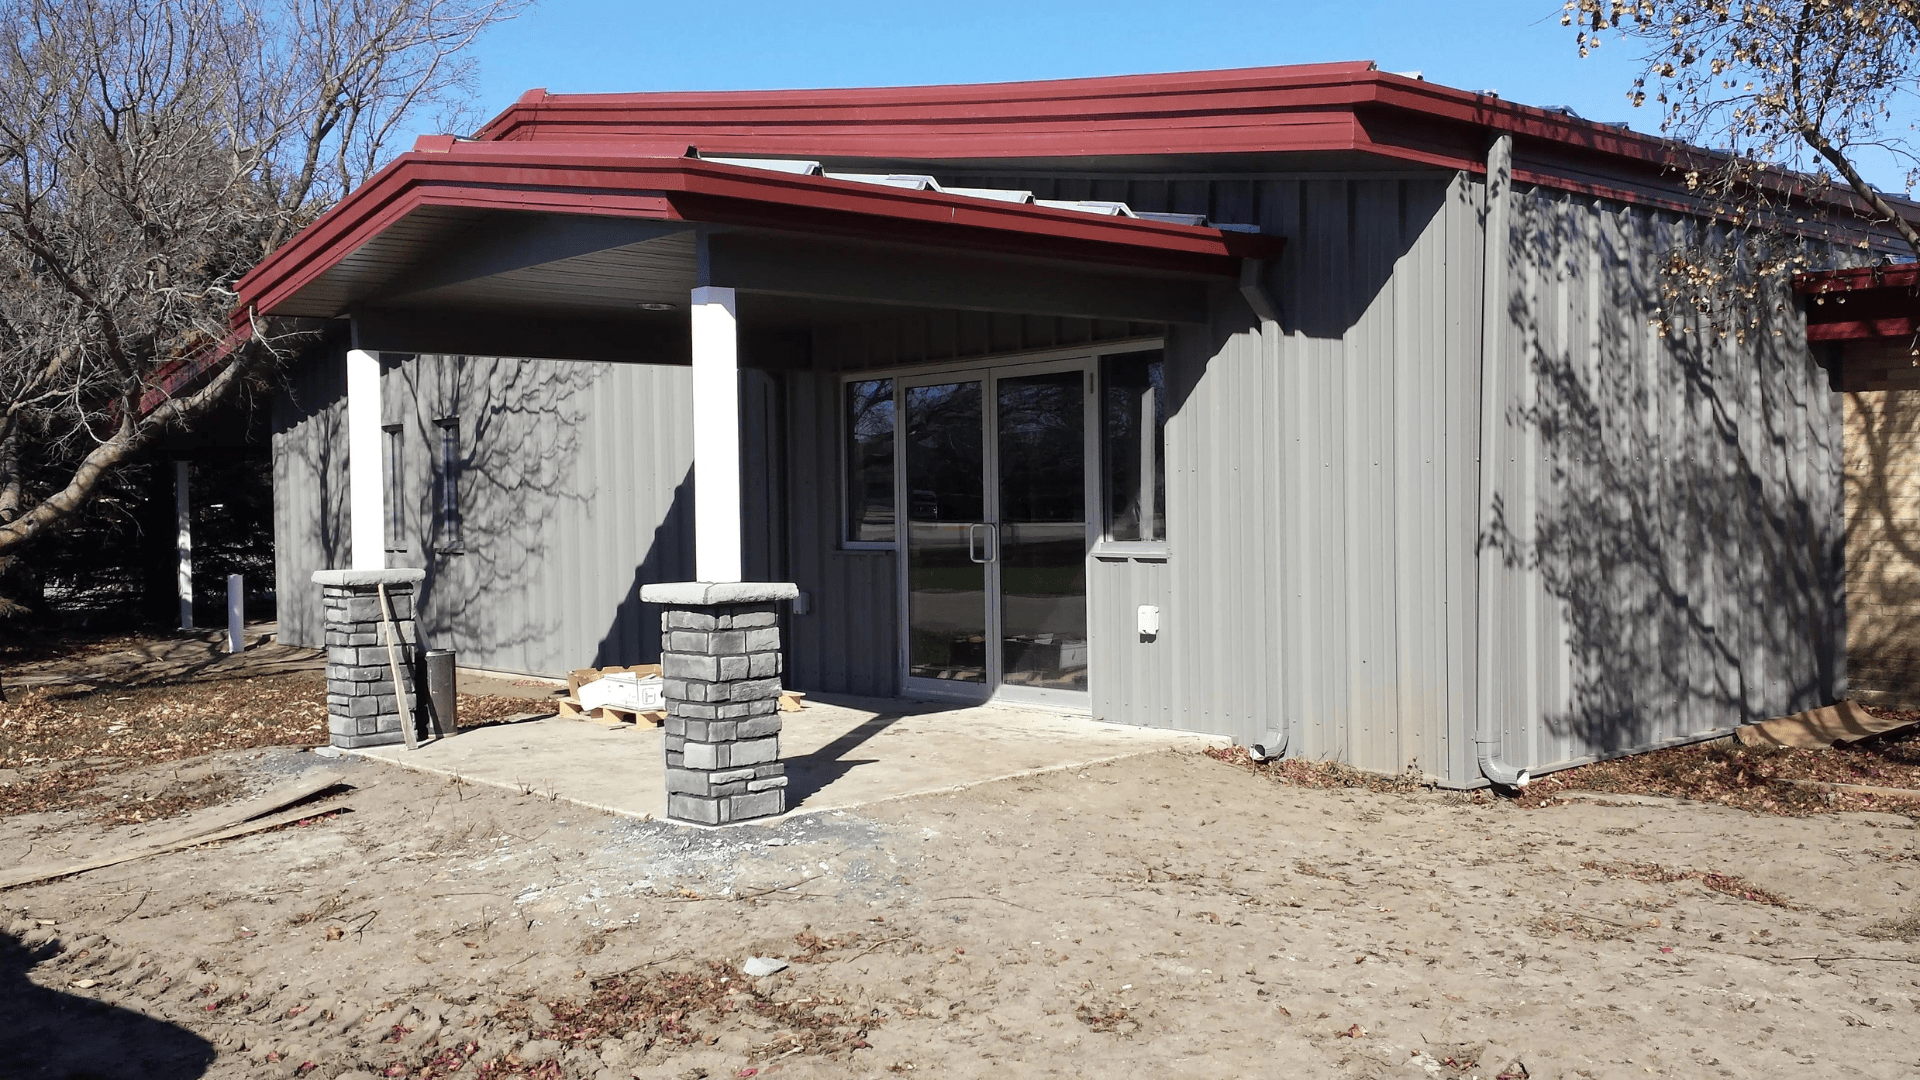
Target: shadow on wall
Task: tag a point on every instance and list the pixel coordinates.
(309, 486)
(501, 439)
(44, 1032)
(634, 637)
(1672, 495)
(1883, 536)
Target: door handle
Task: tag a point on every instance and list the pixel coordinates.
(993, 547)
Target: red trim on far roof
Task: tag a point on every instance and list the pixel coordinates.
(1861, 303)
(1305, 108)
(612, 181)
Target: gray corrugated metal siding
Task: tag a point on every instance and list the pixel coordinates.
(1663, 522)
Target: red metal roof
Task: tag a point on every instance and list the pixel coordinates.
(658, 180)
(1861, 303)
(1305, 108)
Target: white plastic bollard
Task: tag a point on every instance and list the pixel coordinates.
(236, 613)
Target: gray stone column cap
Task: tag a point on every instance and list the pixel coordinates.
(711, 593)
(398, 576)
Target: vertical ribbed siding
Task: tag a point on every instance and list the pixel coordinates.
(1662, 524)
(849, 641)
(1666, 524)
(575, 489)
(574, 486)
(310, 519)
(1135, 681)
(1321, 481)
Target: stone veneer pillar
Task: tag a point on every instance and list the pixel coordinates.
(720, 658)
(362, 709)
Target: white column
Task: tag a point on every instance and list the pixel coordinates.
(183, 544)
(716, 436)
(365, 500)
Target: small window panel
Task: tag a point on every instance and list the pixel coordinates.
(396, 493)
(1133, 459)
(869, 494)
(446, 503)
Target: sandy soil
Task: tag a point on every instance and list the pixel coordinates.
(1162, 915)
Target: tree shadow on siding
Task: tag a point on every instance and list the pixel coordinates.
(310, 486)
(1883, 546)
(1679, 521)
(61, 1036)
(501, 443)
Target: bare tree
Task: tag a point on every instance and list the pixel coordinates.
(1801, 98)
(151, 152)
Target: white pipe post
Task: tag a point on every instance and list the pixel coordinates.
(236, 613)
(183, 544)
(716, 435)
(365, 500)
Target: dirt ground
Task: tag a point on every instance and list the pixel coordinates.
(1168, 914)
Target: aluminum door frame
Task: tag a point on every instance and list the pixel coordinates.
(989, 374)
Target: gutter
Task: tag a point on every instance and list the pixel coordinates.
(1493, 294)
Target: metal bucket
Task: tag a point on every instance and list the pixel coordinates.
(442, 717)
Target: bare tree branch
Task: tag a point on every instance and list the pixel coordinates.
(151, 152)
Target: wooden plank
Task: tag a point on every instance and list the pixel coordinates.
(30, 875)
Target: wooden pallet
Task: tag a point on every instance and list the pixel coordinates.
(571, 709)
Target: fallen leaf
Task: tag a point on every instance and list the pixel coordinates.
(1353, 1032)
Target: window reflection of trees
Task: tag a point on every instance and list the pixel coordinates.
(944, 455)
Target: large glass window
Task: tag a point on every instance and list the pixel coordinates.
(869, 486)
(1133, 403)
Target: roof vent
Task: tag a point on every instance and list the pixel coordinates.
(791, 166)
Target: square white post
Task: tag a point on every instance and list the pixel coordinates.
(183, 544)
(716, 436)
(365, 500)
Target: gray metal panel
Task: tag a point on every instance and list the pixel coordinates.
(574, 486)
(310, 517)
(1666, 545)
(1132, 677)
(1666, 503)
(848, 642)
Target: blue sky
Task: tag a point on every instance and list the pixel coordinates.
(584, 46)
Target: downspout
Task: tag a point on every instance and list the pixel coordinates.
(1266, 307)
(1493, 317)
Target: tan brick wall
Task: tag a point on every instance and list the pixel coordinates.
(1882, 394)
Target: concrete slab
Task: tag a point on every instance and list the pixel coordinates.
(840, 753)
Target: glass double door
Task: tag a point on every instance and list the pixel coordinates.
(993, 478)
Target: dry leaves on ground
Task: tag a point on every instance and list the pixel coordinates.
(61, 742)
(1759, 779)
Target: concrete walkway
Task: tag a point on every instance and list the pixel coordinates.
(840, 753)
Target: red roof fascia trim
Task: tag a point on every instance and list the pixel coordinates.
(1243, 111)
(590, 181)
(1080, 117)
(1862, 330)
(1905, 275)
(958, 100)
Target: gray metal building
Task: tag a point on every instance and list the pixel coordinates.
(1430, 472)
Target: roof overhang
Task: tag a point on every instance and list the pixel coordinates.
(1870, 303)
(595, 231)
